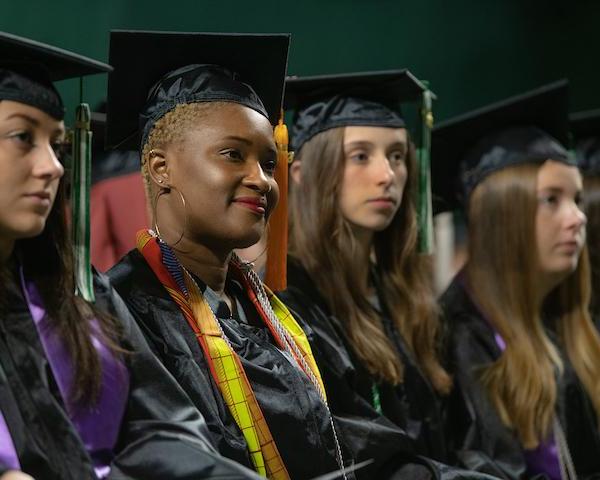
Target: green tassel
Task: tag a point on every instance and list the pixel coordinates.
(424, 206)
(80, 203)
(376, 398)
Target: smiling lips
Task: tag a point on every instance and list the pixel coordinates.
(257, 205)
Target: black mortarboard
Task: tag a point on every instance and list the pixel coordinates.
(363, 99)
(28, 68)
(156, 71)
(532, 127)
(585, 130)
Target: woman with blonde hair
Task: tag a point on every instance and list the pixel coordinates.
(521, 344)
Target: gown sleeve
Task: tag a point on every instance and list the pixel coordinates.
(162, 435)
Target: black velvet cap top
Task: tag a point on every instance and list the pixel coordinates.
(585, 130)
(356, 99)
(528, 128)
(156, 71)
(28, 68)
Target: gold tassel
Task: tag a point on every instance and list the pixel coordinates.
(276, 268)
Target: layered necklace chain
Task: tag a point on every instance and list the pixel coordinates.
(291, 346)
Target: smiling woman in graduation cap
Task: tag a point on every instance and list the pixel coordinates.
(81, 394)
(201, 107)
(525, 355)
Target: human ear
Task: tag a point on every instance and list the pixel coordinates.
(295, 171)
(158, 168)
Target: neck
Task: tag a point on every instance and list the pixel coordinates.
(364, 243)
(207, 264)
(545, 285)
(6, 249)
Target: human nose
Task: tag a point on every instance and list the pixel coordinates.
(382, 170)
(576, 217)
(47, 165)
(256, 178)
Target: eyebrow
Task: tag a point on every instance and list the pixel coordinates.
(25, 117)
(35, 122)
(558, 189)
(365, 143)
(238, 139)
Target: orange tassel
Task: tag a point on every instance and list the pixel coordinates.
(277, 241)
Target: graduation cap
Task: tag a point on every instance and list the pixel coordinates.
(28, 68)
(156, 71)
(585, 131)
(356, 99)
(528, 128)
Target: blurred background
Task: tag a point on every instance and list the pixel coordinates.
(471, 51)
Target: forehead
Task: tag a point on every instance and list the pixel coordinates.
(374, 134)
(10, 109)
(558, 175)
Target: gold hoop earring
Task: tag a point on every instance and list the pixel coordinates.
(160, 193)
(264, 250)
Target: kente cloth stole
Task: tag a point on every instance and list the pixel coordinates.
(224, 364)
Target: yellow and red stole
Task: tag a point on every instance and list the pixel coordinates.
(225, 366)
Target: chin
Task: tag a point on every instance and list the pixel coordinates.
(31, 229)
(251, 238)
(561, 272)
(376, 225)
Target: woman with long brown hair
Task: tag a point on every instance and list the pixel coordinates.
(522, 347)
(355, 275)
(81, 395)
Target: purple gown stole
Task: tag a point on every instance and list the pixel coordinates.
(98, 425)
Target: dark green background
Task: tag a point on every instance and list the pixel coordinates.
(472, 52)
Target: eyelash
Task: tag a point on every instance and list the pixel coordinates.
(24, 136)
(394, 157)
(268, 166)
(228, 153)
(548, 199)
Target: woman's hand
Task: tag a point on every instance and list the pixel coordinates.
(15, 475)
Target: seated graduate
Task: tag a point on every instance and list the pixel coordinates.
(81, 394)
(585, 130)
(355, 275)
(209, 159)
(523, 350)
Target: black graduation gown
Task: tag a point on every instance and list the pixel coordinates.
(296, 416)
(410, 425)
(162, 435)
(476, 433)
